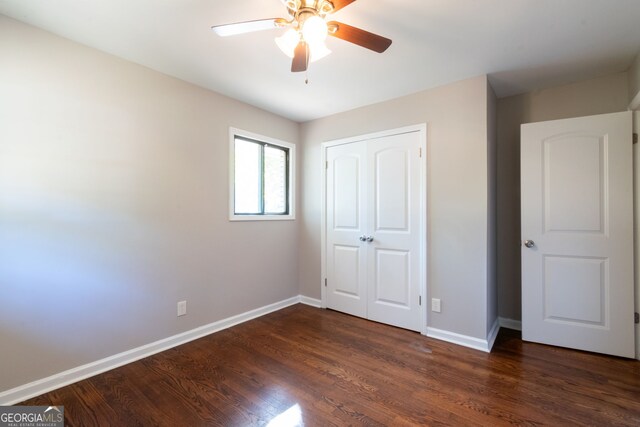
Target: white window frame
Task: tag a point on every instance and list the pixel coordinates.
(233, 132)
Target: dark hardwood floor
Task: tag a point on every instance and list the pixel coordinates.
(320, 367)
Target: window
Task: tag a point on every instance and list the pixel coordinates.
(261, 177)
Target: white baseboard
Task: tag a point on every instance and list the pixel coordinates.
(510, 323)
(44, 385)
(311, 301)
(463, 340)
(493, 334)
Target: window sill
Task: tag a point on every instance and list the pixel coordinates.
(262, 218)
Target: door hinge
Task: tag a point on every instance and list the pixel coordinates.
(325, 282)
(326, 164)
(635, 138)
(636, 317)
(420, 150)
(419, 299)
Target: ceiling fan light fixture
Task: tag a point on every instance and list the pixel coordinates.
(314, 30)
(318, 51)
(290, 39)
(288, 42)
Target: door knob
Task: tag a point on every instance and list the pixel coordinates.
(370, 239)
(529, 243)
(363, 238)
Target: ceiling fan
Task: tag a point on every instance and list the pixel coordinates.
(308, 29)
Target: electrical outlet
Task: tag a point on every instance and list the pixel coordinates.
(182, 308)
(435, 305)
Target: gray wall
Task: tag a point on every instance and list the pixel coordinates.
(113, 207)
(598, 96)
(458, 194)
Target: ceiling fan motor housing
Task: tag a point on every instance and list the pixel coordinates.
(297, 9)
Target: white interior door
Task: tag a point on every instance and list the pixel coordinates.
(346, 224)
(394, 228)
(373, 238)
(577, 218)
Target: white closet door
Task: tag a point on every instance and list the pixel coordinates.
(394, 225)
(346, 223)
(373, 240)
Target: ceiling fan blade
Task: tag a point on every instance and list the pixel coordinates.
(247, 26)
(360, 37)
(300, 57)
(339, 4)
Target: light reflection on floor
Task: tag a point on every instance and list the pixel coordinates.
(292, 417)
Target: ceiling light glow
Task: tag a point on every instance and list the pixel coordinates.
(314, 30)
(290, 39)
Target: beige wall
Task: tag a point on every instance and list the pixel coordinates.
(598, 96)
(113, 207)
(456, 117)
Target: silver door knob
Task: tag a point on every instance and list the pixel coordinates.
(363, 238)
(370, 239)
(529, 243)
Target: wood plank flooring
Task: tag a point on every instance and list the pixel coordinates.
(306, 366)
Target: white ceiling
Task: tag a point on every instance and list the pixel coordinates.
(522, 45)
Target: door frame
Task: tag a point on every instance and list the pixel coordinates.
(636, 217)
(423, 229)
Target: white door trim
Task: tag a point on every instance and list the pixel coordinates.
(422, 130)
(636, 227)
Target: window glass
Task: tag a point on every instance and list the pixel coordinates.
(247, 177)
(275, 180)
